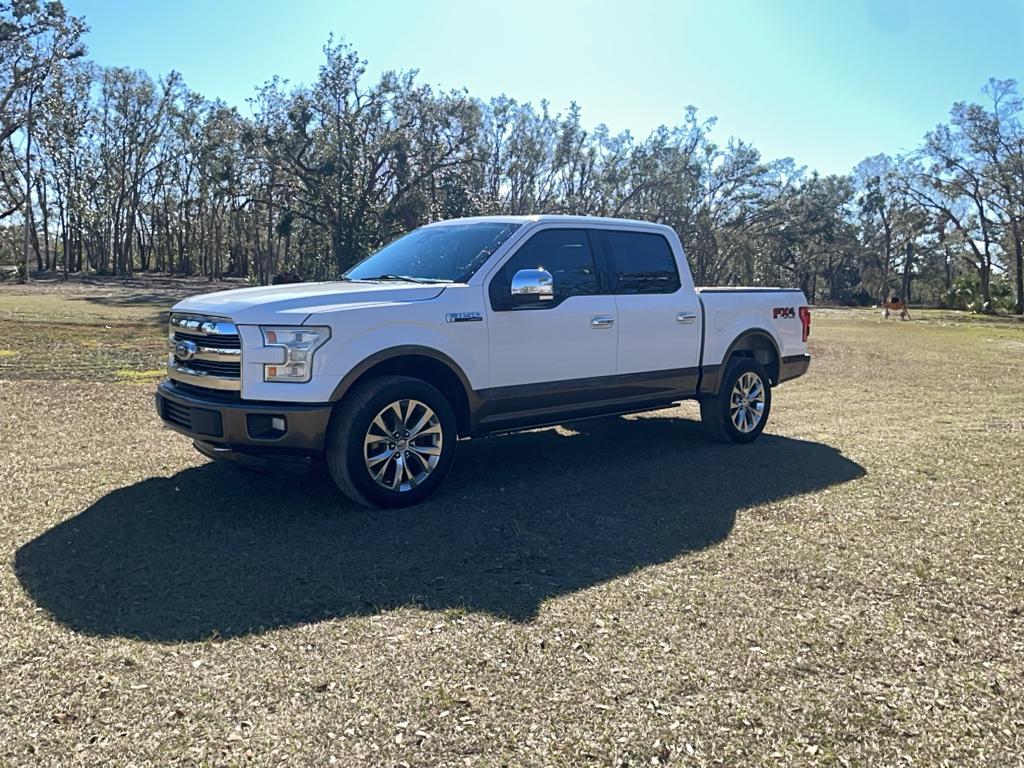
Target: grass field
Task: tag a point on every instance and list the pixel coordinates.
(849, 590)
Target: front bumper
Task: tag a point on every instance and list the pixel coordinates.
(223, 421)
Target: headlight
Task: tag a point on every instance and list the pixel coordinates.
(299, 343)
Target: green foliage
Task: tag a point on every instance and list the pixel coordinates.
(966, 294)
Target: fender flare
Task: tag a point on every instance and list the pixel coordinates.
(391, 353)
(711, 374)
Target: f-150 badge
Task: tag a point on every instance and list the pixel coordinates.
(463, 317)
(783, 312)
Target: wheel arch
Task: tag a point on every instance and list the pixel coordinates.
(755, 343)
(429, 365)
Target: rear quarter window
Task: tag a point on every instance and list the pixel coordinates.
(641, 262)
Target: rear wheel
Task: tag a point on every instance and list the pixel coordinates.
(740, 410)
(391, 442)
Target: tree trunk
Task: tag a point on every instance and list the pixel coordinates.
(908, 265)
(984, 280)
(35, 243)
(1018, 248)
(28, 183)
(44, 211)
(883, 289)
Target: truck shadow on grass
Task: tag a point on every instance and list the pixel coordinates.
(213, 551)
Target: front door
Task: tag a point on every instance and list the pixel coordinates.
(574, 336)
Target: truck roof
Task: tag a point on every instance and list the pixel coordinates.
(551, 217)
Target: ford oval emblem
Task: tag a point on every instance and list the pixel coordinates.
(185, 350)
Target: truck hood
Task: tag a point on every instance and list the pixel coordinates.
(292, 304)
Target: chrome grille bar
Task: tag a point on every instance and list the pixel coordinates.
(203, 325)
(222, 341)
(205, 351)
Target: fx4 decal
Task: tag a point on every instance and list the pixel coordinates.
(783, 312)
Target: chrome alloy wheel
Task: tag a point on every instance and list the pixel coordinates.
(402, 445)
(746, 404)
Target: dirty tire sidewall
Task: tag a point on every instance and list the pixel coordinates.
(348, 428)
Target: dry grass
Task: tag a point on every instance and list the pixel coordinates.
(848, 590)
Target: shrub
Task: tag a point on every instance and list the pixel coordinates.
(966, 294)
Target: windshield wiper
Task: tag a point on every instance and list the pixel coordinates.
(404, 278)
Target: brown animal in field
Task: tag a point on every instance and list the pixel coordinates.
(894, 304)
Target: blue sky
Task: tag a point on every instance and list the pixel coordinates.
(825, 82)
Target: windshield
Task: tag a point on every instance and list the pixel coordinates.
(447, 253)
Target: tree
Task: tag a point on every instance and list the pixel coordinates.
(34, 38)
(130, 172)
(997, 136)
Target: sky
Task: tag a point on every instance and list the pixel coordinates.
(827, 83)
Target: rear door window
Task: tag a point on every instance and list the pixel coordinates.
(641, 262)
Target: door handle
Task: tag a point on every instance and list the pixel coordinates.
(686, 317)
(602, 321)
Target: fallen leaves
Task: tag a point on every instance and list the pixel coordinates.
(876, 620)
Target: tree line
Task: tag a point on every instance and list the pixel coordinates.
(118, 172)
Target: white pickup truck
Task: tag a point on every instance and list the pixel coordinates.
(468, 327)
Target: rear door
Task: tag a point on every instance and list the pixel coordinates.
(659, 314)
(571, 337)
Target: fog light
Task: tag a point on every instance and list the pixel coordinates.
(264, 426)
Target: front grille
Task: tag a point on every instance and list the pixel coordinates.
(212, 367)
(222, 341)
(221, 396)
(177, 414)
(206, 352)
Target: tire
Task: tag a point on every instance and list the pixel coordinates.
(744, 423)
(409, 472)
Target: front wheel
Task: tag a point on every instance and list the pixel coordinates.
(391, 442)
(740, 410)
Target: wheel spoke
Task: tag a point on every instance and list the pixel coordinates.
(426, 450)
(418, 428)
(373, 439)
(411, 467)
(414, 477)
(399, 472)
(396, 415)
(379, 476)
(373, 461)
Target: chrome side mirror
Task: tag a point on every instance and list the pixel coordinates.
(533, 285)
